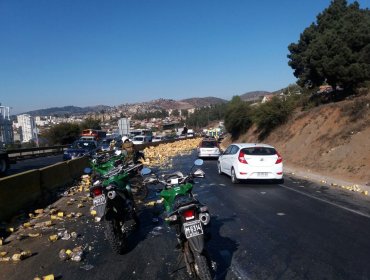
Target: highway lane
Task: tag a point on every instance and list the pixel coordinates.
(33, 163)
(296, 230)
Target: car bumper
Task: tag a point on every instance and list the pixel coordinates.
(210, 155)
(260, 173)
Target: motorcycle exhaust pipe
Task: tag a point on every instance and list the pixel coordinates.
(205, 218)
(111, 194)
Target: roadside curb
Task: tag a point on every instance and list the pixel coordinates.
(327, 180)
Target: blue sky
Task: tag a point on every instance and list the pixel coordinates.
(71, 52)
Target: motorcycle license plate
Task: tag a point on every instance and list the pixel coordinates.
(99, 200)
(193, 228)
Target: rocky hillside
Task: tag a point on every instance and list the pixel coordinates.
(333, 140)
(204, 101)
(157, 104)
(67, 110)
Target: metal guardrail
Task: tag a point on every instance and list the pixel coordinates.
(17, 154)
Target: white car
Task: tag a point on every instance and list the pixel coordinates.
(158, 138)
(140, 140)
(208, 148)
(251, 161)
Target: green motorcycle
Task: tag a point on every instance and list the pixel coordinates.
(114, 204)
(187, 216)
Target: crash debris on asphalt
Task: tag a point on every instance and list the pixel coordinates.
(161, 155)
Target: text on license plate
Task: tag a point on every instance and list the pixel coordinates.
(193, 228)
(99, 200)
(262, 174)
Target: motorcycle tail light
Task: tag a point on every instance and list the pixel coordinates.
(188, 214)
(97, 191)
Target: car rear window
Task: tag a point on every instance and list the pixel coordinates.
(209, 144)
(259, 151)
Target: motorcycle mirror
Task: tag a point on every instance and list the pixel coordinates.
(87, 170)
(198, 162)
(145, 171)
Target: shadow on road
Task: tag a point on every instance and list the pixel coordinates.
(221, 249)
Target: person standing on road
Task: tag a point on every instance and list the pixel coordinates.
(128, 148)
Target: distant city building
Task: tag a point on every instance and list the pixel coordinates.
(27, 123)
(6, 129)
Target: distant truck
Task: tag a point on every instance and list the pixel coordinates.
(4, 162)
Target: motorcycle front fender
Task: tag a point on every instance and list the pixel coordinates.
(197, 243)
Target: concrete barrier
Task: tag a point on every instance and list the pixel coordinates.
(19, 192)
(76, 166)
(22, 190)
(54, 176)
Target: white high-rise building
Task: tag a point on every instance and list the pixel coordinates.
(6, 130)
(27, 123)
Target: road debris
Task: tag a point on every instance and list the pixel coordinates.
(47, 277)
(161, 154)
(53, 238)
(21, 256)
(33, 235)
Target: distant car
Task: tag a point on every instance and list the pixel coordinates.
(140, 140)
(80, 148)
(208, 148)
(251, 161)
(105, 144)
(158, 138)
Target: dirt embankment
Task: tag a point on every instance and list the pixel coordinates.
(332, 140)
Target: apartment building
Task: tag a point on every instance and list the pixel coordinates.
(6, 130)
(27, 123)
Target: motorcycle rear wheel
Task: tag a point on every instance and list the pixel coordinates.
(201, 267)
(116, 238)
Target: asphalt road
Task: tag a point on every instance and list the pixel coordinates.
(295, 230)
(33, 163)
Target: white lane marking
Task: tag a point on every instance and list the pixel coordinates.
(222, 185)
(328, 202)
(263, 192)
(280, 214)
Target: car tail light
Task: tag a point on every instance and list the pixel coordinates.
(241, 157)
(279, 173)
(97, 191)
(279, 159)
(188, 214)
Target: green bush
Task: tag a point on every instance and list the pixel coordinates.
(269, 115)
(238, 117)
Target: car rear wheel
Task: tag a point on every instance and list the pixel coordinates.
(234, 180)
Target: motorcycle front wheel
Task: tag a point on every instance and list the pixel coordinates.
(116, 238)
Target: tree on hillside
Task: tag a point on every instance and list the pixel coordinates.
(335, 49)
(148, 115)
(175, 113)
(90, 123)
(269, 115)
(238, 117)
(184, 113)
(63, 133)
(203, 116)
